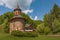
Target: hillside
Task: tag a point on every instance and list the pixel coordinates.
(7, 16)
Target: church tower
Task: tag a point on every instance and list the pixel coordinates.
(17, 22)
(17, 10)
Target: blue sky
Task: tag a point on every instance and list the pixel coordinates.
(39, 7)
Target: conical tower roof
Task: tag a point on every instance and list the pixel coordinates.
(17, 8)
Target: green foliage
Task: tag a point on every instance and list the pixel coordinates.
(52, 20)
(37, 22)
(7, 16)
(46, 19)
(4, 20)
(47, 30)
(31, 34)
(4, 36)
(5, 25)
(42, 29)
(50, 23)
(24, 34)
(17, 33)
(56, 26)
(29, 20)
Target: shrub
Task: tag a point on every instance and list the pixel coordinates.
(43, 29)
(30, 34)
(55, 26)
(17, 33)
(47, 30)
(24, 34)
(40, 28)
(6, 28)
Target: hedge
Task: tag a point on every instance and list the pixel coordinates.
(24, 34)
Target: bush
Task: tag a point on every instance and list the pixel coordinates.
(17, 33)
(6, 28)
(55, 26)
(47, 30)
(40, 28)
(30, 34)
(24, 34)
(43, 29)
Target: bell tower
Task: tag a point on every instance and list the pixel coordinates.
(17, 22)
(17, 10)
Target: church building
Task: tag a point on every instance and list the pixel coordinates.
(18, 22)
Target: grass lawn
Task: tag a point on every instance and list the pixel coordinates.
(4, 36)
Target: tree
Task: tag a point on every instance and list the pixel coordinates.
(29, 20)
(46, 19)
(42, 29)
(7, 16)
(50, 17)
(56, 26)
(47, 30)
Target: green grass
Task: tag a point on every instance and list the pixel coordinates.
(4, 36)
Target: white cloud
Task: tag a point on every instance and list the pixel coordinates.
(36, 18)
(27, 11)
(24, 4)
(31, 17)
(1, 2)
